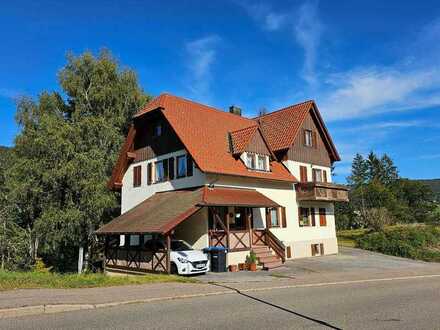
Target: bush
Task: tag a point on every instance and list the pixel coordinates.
(377, 218)
(416, 242)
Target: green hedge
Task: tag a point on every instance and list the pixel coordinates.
(416, 242)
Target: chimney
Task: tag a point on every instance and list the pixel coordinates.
(235, 110)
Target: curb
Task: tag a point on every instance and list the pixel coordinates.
(59, 308)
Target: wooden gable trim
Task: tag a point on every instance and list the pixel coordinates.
(115, 182)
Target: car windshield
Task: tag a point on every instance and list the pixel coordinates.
(180, 246)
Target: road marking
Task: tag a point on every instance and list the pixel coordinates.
(292, 286)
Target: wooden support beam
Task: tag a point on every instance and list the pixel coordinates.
(168, 238)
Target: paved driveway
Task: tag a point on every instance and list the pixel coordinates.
(349, 264)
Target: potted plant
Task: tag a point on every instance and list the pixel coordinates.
(251, 261)
(233, 268)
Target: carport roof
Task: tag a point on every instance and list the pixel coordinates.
(165, 210)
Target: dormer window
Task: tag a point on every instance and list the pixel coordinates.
(250, 160)
(256, 162)
(261, 163)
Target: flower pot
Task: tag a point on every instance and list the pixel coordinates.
(242, 266)
(233, 268)
(253, 267)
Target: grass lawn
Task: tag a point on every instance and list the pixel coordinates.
(348, 237)
(409, 241)
(28, 280)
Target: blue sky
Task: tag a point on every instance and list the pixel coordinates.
(373, 67)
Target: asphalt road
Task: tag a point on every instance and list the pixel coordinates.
(399, 304)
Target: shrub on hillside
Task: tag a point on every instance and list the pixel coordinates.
(417, 242)
(377, 218)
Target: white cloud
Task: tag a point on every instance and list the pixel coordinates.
(268, 18)
(201, 54)
(370, 91)
(308, 34)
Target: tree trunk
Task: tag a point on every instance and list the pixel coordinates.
(80, 259)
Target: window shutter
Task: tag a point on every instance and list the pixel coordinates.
(321, 247)
(268, 218)
(299, 215)
(189, 165)
(165, 169)
(149, 173)
(171, 168)
(288, 252)
(315, 140)
(134, 176)
(303, 173)
(137, 176)
(312, 212)
(313, 250)
(324, 173)
(283, 217)
(322, 217)
(314, 175)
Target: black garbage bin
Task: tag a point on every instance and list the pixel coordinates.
(217, 258)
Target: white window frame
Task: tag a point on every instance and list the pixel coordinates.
(179, 158)
(308, 138)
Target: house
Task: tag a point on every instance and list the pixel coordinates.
(216, 178)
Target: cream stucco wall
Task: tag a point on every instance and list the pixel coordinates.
(298, 238)
(294, 166)
(132, 196)
(194, 230)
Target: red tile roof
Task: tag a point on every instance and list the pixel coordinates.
(241, 138)
(280, 127)
(204, 132)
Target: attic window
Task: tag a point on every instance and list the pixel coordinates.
(308, 139)
(158, 129)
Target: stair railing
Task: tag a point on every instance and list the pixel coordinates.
(276, 245)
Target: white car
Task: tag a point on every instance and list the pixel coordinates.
(185, 260)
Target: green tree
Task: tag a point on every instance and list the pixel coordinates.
(66, 151)
(359, 171)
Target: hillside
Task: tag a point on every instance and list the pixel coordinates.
(434, 184)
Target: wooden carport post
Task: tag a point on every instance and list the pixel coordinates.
(168, 238)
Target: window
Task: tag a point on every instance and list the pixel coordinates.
(160, 171)
(308, 138)
(261, 165)
(322, 217)
(137, 176)
(304, 219)
(157, 130)
(250, 160)
(315, 250)
(317, 175)
(134, 240)
(257, 162)
(274, 221)
(181, 166)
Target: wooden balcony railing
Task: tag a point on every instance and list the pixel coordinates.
(321, 191)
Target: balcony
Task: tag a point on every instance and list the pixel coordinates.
(321, 191)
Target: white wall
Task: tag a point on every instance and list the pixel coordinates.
(284, 194)
(132, 196)
(194, 230)
(293, 167)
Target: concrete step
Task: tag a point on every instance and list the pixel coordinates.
(272, 265)
(268, 259)
(260, 248)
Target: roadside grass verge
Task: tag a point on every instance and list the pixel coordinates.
(421, 242)
(348, 237)
(32, 280)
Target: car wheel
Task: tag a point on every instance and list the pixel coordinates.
(174, 269)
